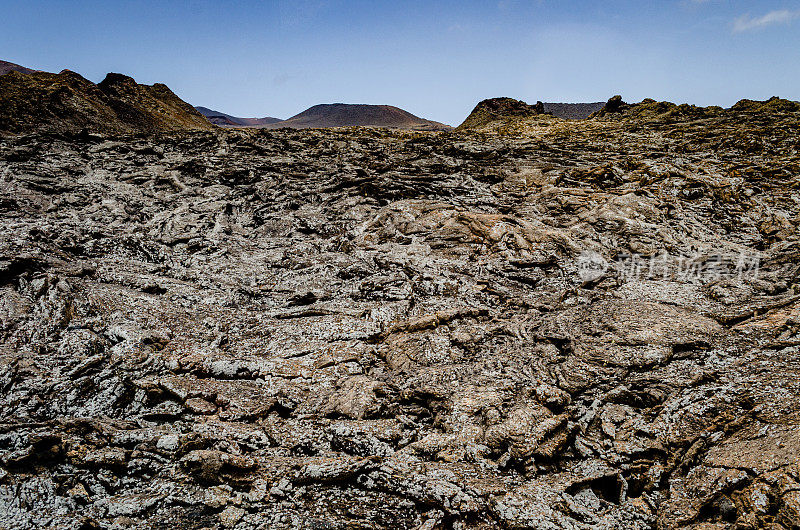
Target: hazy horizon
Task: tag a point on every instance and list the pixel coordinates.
(435, 60)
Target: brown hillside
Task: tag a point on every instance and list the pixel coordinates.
(352, 115)
(67, 102)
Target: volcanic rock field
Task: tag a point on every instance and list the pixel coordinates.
(526, 323)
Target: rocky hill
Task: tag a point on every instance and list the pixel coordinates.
(6, 67)
(500, 109)
(226, 120)
(551, 324)
(665, 111)
(352, 115)
(67, 103)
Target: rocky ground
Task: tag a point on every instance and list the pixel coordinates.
(547, 325)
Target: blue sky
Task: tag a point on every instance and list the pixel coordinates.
(435, 59)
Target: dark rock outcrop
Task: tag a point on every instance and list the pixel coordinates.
(614, 104)
(500, 109)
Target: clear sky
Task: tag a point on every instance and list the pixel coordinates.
(433, 58)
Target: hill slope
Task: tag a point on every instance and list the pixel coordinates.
(67, 102)
(226, 120)
(351, 115)
(7, 67)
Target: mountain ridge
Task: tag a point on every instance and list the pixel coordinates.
(7, 67)
(226, 120)
(67, 103)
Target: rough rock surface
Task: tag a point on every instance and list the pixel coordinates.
(373, 329)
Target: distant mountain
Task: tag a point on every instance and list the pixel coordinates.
(6, 67)
(226, 120)
(67, 102)
(351, 115)
(573, 111)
